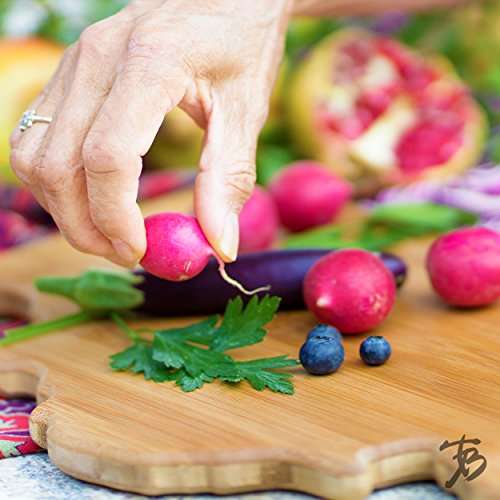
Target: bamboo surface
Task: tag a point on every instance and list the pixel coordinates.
(339, 436)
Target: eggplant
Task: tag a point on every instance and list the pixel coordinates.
(208, 293)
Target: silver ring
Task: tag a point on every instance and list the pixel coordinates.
(29, 117)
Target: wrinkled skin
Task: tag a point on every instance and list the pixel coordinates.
(109, 97)
(217, 60)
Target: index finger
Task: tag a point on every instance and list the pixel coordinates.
(121, 134)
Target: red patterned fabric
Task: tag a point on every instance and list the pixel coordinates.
(14, 428)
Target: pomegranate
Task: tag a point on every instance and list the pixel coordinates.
(376, 111)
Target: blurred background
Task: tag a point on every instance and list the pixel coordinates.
(381, 101)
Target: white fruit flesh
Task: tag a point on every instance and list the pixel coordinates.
(375, 148)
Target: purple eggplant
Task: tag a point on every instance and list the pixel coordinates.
(208, 293)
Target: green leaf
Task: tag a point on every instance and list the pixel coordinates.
(194, 355)
(139, 359)
(200, 333)
(175, 353)
(421, 218)
(97, 290)
(327, 236)
(384, 226)
(258, 373)
(243, 327)
(188, 383)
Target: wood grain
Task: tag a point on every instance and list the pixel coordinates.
(339, 436)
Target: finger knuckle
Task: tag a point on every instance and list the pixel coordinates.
(52, 174)
(142, 47)
(77, 238)
(100, 156)
(70, 54)
(109, 215)
(241, 178)
(22, 163)
(93, 41)
(150, 53)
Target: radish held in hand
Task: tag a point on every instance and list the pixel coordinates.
(308, 195)
(177, 249)
(464, 266)
(259, 222)
(350, 289)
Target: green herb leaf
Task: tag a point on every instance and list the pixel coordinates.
(384, 226)
(421, 218)
(175, 353)
(139, 359)
(194, 355)
(188, 383)
(258, 373)
(243, 327)
(199, 333)
(97, 290)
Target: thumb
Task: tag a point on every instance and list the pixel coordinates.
(227, 171)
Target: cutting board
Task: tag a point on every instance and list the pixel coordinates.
(339, 436)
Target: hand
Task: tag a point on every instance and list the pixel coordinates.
(217, 60)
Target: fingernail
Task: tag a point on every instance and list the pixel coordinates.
(230, 237)
(124, 251)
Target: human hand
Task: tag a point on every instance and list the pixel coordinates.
(108, 98)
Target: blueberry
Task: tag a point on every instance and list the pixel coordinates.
(321, 356)
(325, 332)
(375, 350)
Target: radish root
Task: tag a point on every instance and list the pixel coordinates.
(237, 284)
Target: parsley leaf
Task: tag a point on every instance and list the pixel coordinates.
(258, 374)
(194, 355)
(139, 359)
(199, 333)
(175, 353)
(188, 383)
(243, 327)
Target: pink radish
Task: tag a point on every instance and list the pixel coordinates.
(308, 194)
(177, 249)
(350, 289)
(464, 266)
(259, 222)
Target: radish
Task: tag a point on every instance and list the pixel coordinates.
(350, 289)
(308, 194)
(177, 249)
(259, 222)
(464, 266)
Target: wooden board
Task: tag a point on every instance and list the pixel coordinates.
(339, 436)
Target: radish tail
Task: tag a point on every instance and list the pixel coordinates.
(237, 284)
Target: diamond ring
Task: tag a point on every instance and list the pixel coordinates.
(29, 117)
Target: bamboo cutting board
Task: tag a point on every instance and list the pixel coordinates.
(339, 436)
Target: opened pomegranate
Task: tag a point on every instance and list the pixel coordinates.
(379, 113)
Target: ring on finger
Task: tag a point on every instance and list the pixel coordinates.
(30, 117)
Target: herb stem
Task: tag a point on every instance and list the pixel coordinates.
(121, 323)
(30, 331)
